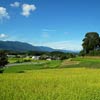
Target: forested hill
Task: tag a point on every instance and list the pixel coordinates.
(22, 46)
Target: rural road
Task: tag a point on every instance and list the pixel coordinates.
(26, 63)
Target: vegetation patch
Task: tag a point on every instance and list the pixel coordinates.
(33, 66)
(69, 62)
(85, 62)
(21, 71)
(51, 84)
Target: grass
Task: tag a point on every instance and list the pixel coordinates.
(87, 59)
(74, 79)
(38, 65)
(86, 62)
(51, 84)
(14, 60)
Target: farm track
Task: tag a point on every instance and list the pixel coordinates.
(69, 62)
(26, 63)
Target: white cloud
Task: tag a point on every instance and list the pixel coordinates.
(15, 4)
(66, 45)
(3, 35)
(3, 13)
(26, 9)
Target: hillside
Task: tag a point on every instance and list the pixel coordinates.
(22, 46)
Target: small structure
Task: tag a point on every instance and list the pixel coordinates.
(27, 57)
(49, 59)
(11, 56)
(35, 57)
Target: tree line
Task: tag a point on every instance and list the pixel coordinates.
(91, 44)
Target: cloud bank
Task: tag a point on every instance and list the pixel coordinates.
(3, 13)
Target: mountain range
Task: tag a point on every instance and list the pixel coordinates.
(23, 47)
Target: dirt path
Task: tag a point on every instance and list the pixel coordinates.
(26, 63)
(69, 62)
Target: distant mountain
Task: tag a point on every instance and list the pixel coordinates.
(42, 48)
(22, 47)
(16, 46)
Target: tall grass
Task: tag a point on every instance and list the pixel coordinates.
(51, 84)
(77, 81)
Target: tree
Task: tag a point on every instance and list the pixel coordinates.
(3, 59)
(58, 55)
(91, 42)
(82, 53)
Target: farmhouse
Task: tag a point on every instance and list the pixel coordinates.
(35, 57)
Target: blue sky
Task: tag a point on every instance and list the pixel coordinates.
(59, 24)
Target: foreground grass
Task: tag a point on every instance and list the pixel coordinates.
(73, 79)
(51, 84)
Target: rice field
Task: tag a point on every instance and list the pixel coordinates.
(74, 83)
(51, 84)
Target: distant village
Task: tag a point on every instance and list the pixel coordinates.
(56, 55)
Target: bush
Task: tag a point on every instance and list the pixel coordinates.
(27, 60)
(1, 70)
(21, 71)
(18, 61)
(3, 59)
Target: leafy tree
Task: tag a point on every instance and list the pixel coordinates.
(70, 55)
(91, 42)
(58, 54)
(3, 59)
(82, 53)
